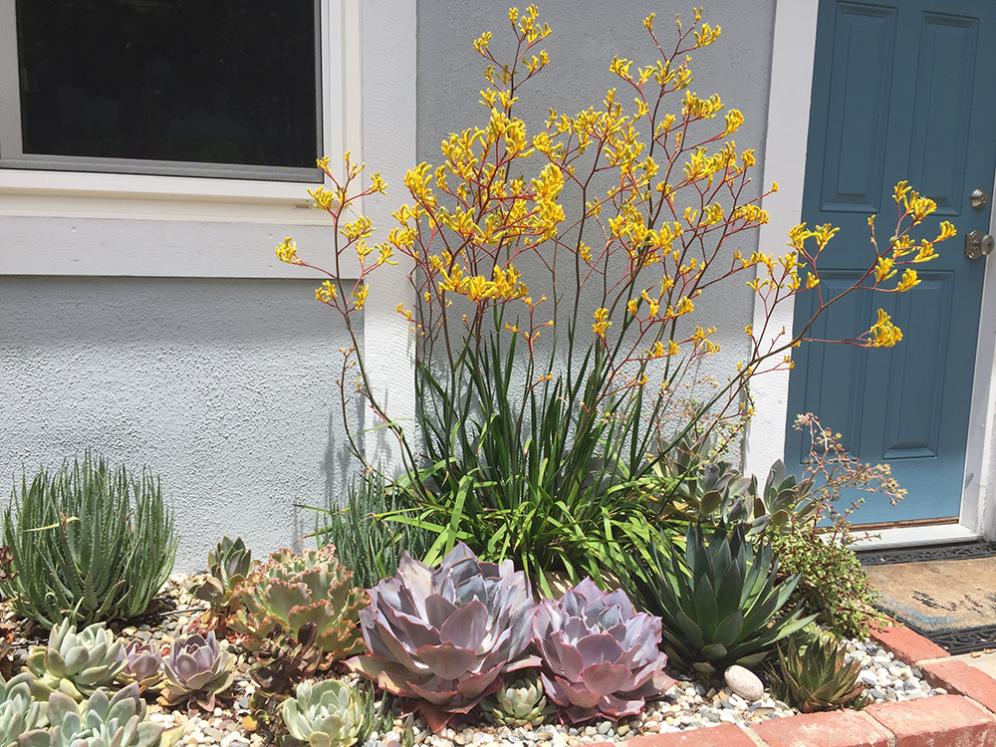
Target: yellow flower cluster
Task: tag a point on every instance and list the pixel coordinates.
(504, 285)
(883, 333)
(286, 251)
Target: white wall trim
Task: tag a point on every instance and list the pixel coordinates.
(792, 61)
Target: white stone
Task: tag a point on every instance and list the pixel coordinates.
(744, 683)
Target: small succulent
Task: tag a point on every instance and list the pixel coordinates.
(143, 666)
(601, 657)
(722, 600)
(198, 670)
(329, 713)
(18, 712)
(521, 702)
(277, 668)
(293, 590)
(815, 676)
(228, 564)
(102, 721)
(447, 636)
(76, 664)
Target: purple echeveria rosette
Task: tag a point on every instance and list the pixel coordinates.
(601, 658)
(447, 636)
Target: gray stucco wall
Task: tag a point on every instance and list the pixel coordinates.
(226, 388)
(585, 37)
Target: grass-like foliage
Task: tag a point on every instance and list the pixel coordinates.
(367, 541)
(89, 543)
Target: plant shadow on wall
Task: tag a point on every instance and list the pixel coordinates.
(566, 540)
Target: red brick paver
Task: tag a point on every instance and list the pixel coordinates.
(906, 644)
(832, 729)
(942, 721)
(726, 735)
(960, 677)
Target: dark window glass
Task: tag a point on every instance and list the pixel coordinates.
(211, 81)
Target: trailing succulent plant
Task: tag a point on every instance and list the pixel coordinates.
(521, 702)
(228, 564)
(329, 713)
(90, 539)
(447, 636)
(19, 712)
(75, 663)
(143, 666)
(291, 590)
(601, 657)
(198, 670)
(102, 721)
(721, 601)
(815, 676)
(278, 667)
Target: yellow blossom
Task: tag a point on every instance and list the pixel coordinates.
(286, 251)
(601, 324)
(360, 292)
(326, 292)
(908, 280)
(883, 333)
(885, 268)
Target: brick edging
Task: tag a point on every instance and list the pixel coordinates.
(963, 719)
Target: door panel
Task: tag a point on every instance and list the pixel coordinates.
(901, 90)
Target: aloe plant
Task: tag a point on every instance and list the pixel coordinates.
(815, 676)
(89, 543)
(722, 600)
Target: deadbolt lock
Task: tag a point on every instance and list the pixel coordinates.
(978, 244)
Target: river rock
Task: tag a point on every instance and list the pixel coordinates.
(744, 683)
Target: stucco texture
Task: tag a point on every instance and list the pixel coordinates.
(585, 37)
(225, 388)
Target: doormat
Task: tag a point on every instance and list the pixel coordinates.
(946, 593)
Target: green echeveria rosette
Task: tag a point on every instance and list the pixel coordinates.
(521, 702)
(101, 721)
(75, 663)
(291, 591)
(329, 713)
(19, 713)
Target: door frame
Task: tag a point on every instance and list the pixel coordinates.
(789, 100)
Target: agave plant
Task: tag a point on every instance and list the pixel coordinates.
(293, 590)
(197, 670)
(89, 542)
(228, 564)
(143, 666)
(329, 713)
(721, 601)
(601, 657)
(447, 636)
(815, 676)
(521, 702)
(75, 664)
(19, 713)
(118, 721)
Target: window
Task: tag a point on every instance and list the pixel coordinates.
(227, 88)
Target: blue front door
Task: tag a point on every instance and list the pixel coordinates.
(901, 90)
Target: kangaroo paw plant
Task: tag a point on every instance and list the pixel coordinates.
(197, 670)
(447, 636)
(292, 590)
(19, 713)
(521, 702)
(143, 666)
(601, 658)
(89, 539)
(329, 713)
(721, 600)
(228, 564)
(76, 664)
(815, 676)
(118, 721)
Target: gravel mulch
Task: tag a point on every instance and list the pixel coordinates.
(687, 705)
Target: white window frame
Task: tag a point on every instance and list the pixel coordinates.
(84, 194)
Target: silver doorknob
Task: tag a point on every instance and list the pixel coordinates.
(978, 244)
(978, 198)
